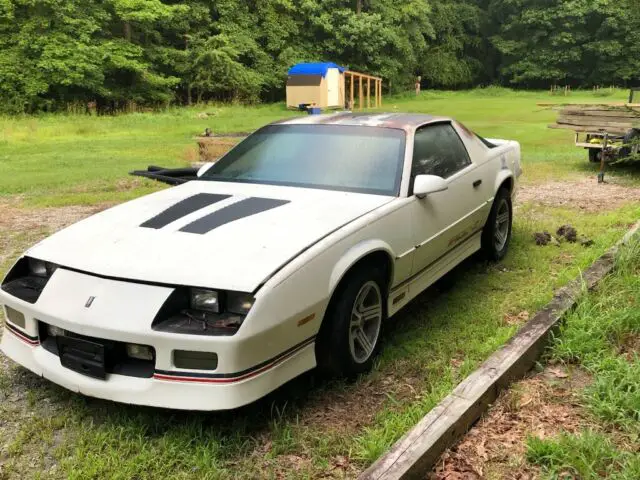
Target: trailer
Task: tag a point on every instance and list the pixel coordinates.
(609, 132)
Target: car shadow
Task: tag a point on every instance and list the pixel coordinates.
(295, 400)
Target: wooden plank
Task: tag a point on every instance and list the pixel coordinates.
(360, 94)
(415, 454)
(368, 93)
(363, 75)
(586, 121)
(589, 129)
(351, 105)
(580, 112)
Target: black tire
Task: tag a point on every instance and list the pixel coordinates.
(333, 347)
(594, 155)
(632, 137)
(493, 249)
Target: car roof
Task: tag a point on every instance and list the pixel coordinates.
(404, 121)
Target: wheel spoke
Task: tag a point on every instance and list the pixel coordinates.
(364, 342)
(356, 320)
(500, 237)
(502, 218)
(371, 312)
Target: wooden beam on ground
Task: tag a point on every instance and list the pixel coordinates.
(414, 455)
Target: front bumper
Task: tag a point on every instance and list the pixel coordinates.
(250, 365)
(183, 393)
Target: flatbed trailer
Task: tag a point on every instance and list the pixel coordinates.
(609, 132)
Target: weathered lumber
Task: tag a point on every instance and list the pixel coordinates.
(590, 129)
(588, 121)
(587, 112)
(414, 454)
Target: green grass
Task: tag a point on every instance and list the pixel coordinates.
(72, 159)
(588, 455)
(593, 337)
(295, 432)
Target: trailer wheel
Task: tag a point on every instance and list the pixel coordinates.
(632, 137)
(594, 155)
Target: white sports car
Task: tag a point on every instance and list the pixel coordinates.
(288, 253)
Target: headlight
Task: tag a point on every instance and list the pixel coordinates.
(205, 300)
(40, 268)
(239, 303)
(27, 278)
(199, 311)
(37, 267)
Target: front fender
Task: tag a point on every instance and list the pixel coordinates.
(502, 176)
(355, 254)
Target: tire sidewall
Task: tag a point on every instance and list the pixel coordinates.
(488, 244)
(333, 350)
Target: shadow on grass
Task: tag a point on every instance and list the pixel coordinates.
(238, 432)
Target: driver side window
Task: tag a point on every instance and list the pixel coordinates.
(439, 151)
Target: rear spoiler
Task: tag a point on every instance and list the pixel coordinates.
(172, 176)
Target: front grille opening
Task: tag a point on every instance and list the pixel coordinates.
(116, 359)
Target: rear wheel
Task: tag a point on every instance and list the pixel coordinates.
(349, 337)
(496, 234)
(630, 141)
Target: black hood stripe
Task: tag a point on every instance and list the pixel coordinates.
(236, 211)
(184, 208)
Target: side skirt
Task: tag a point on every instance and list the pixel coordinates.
(411, 288)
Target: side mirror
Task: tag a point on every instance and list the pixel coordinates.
(203, 169)
(424, 185)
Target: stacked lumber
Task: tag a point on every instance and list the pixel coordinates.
(613, 119)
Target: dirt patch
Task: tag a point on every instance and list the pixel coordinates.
(541, 405)
(49, 218)
(586, 195)
(22, 227)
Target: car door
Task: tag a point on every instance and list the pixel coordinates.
(444, 220)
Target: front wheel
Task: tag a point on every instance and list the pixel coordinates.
(349, 337)
(496, 234)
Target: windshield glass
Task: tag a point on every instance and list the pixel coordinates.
(333, 157)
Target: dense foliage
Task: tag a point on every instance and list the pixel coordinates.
(152, 52)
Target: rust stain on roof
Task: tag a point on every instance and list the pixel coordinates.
(404, 121)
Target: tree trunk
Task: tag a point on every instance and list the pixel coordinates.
(358, 7)
(127, 31)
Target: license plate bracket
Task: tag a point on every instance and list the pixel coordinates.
(82, 356)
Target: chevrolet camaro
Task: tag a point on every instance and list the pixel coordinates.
(288, 253)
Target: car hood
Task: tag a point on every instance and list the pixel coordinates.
(212, 234)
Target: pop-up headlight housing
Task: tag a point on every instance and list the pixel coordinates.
(27, 278)
(200, 311)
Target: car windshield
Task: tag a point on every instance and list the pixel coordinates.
(333, 157)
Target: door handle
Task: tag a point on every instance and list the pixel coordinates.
(477, 183)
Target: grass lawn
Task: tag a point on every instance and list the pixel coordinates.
(578, 415)
(602, 336)
(311, 426)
